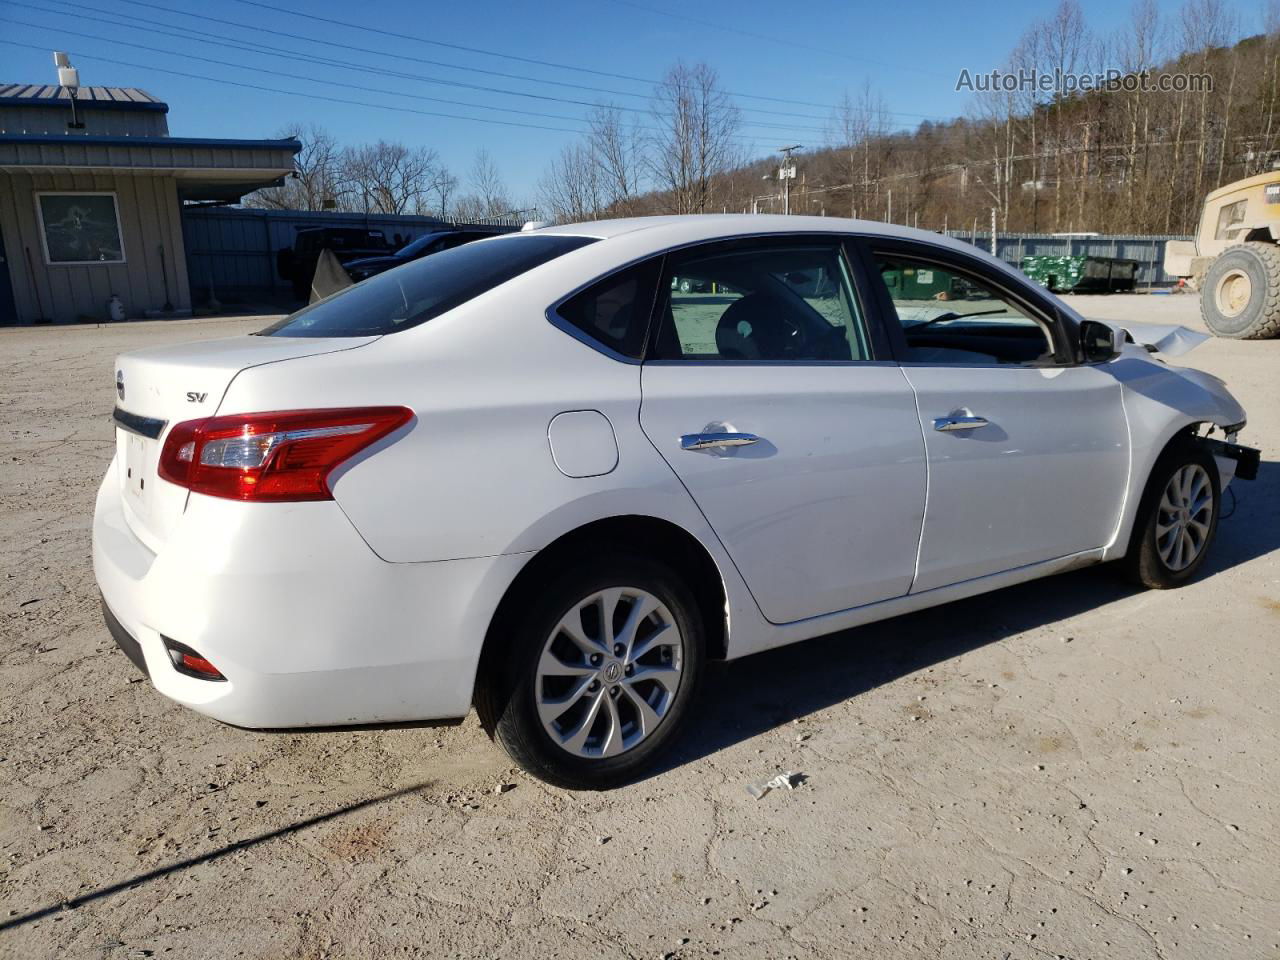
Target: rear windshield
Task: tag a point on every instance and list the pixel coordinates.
(413, 294)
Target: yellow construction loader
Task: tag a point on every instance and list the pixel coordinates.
(1234, 260)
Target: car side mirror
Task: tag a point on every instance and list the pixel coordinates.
(1100, 342)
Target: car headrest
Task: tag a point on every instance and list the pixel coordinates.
(752, 329)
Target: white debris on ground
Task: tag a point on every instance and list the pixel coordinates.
(787, 780)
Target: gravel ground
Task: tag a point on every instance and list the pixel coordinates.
(1068, 768)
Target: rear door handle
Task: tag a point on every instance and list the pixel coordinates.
(947, 424)
(710, 441)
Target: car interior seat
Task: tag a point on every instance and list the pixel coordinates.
(753, 329)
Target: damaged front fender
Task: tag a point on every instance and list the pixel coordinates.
(1167, 339)
(1162, 402)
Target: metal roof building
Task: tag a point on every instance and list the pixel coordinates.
(91, 189)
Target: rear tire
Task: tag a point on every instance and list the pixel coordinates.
(1240, 298)
(1177, 518)
(595, 672)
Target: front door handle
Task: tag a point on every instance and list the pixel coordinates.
(711, 441)
(947, 424)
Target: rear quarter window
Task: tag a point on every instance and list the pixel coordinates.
(614, 312)
(423, 289)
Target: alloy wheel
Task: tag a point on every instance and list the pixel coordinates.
(608, 673)
(1184, 517)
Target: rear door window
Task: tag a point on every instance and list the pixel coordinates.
(418, 291)
(772, 300)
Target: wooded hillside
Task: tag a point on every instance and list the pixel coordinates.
(1113, 161)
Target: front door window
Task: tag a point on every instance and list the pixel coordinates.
(951, 317)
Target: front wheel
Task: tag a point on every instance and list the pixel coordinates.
(597, 673)
(1177, 518)
(1240, 298)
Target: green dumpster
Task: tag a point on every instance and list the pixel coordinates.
(920, 283)
(1082, 274)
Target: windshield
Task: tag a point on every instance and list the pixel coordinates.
(417, 246)
(422, 289)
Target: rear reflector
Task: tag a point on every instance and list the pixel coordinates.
(287, 455)
(187, 661)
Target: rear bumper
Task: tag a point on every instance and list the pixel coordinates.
(307, 624)
(124, 640)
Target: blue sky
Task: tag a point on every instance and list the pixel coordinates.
(812, 52)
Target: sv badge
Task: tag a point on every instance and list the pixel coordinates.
(193, 397)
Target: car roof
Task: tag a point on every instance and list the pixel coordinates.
(665, 231)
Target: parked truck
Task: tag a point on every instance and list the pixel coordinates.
(1234, 260)
(297, 264)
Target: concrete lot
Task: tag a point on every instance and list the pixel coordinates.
(1069, 768)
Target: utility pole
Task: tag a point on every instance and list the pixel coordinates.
(787, 173)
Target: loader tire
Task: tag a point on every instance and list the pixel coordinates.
(1240, 298)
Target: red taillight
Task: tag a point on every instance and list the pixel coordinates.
(286, 455)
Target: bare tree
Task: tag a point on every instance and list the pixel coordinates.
(857, 136)
(1063, 44)
(616, 151)
(1136, 53)
(571, 187)
(315, 183)
(1206, 25)
(488, 197)
(442, 188)
(694, 141)
(389, 177)
(489, 185)
(1268, 132)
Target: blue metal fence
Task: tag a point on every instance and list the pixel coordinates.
(231, 252)
(1147, 250)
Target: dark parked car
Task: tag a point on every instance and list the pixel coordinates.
(423, 246)
(297, 264)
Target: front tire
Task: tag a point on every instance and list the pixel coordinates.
(596, 672)
(1240, 298)
(1177, 518)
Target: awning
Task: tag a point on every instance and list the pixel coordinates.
(206, 169)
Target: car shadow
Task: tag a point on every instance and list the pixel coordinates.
(1250, 524)
(747, 697)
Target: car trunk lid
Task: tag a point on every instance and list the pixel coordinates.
(162, 386)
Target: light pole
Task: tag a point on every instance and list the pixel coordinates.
(787, 173)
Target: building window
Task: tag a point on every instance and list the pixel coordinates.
(80, 228)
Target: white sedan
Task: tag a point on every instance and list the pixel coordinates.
(535, 475)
